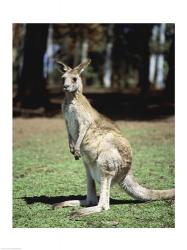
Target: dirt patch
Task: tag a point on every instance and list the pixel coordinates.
(26, 128)
(162, 126)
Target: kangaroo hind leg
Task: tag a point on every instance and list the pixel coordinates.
(103, 200)
(107, 165)
(91, 198)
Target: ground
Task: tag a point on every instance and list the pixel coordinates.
(44, 172)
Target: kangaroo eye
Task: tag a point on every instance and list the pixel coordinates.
(63, 80)
(74, 79)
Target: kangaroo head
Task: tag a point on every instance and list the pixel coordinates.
(71, 78)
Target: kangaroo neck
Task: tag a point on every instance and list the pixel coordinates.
(70, 97)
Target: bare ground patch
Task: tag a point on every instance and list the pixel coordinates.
(24, 128)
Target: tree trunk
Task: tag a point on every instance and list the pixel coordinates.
(160, 64)
(84, 52)
(107, 78)
(144, 36)
(77, 51)
(31, 88)
(153, 56)
(170, 81)
(108, 66)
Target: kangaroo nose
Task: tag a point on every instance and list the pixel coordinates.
(65, 87)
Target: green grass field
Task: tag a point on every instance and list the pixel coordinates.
(44, 172)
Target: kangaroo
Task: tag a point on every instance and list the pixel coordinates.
(106, 154)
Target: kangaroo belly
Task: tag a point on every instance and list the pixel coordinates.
(102, 156)
(90, 151)
(92, 167)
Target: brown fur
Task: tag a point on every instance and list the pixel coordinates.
(106, 154)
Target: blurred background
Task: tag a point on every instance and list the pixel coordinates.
(131, 75)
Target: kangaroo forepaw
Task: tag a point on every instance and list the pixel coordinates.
(77, 154)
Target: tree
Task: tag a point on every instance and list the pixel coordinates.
(31, 85)
(170, 81)
(140, 44)
(107, 78)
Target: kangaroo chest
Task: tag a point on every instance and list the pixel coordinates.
(72, 120)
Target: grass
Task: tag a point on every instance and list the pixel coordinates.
(44, 172)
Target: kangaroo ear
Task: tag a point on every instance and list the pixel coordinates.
(63, 67)
(81, 67)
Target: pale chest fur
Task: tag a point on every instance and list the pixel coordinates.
(72, 120)
(75, 115)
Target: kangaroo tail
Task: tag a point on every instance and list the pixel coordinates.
(134, 189)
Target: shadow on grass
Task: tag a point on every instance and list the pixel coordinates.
(57, 199)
